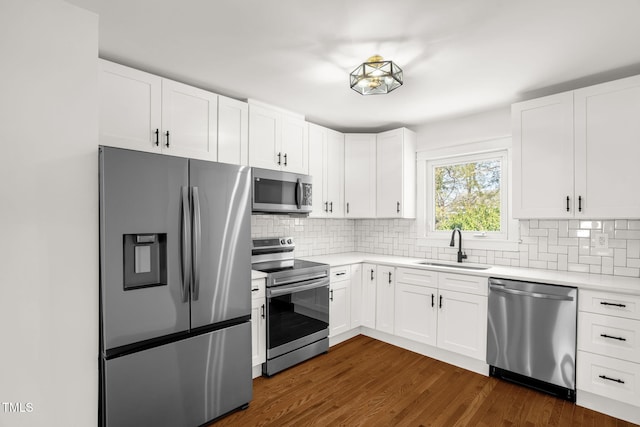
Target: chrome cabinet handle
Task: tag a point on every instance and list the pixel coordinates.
(167, 134)
(197, 243)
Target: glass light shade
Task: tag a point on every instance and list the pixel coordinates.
(376, 76)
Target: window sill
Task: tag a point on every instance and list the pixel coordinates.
(471, 243)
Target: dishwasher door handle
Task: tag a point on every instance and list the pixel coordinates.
(501, 288)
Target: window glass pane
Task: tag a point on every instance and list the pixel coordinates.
(467, 196)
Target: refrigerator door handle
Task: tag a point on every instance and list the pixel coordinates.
(197, 244)
(185, 249)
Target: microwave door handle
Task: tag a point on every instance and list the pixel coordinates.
(197, 244)
(299, 193)
(185, 247)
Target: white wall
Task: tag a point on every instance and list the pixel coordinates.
(484, 126)
(48, 215)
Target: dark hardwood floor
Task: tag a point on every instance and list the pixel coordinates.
(365, 382)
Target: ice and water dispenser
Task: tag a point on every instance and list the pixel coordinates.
(145, 260)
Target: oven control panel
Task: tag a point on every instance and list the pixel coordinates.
(273, 245)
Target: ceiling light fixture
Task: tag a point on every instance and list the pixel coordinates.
(376, 76)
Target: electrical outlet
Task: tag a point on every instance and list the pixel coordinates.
(601, 240)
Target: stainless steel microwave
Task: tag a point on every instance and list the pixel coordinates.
(280, 192)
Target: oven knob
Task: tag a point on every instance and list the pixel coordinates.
(282, 241)
(289, 241)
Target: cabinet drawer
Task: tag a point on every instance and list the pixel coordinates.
(620, 305)
(463, 283)
(414, 276)
(605, 376)
(340, 273)
(257, 288)
(610, 336)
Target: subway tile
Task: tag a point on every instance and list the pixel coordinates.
(563, 228)
(633, 262)
(634, 225)
(633, 249)
(578, 268)
(538, 264)
(538, 232)
(579, 233)
(553, 236)
(622, 224)
(591, 225)
(608, 226)
(595, 269)
(620, 258)
(626, 271)
(568, 241)
(627, 234)
(533, 223)
(562, 262)
(591, 260)
(548, 224)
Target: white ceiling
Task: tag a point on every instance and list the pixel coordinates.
(459, 56)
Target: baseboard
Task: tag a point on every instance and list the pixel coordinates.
(611, 407)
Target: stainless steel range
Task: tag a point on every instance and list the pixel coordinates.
(297, 300)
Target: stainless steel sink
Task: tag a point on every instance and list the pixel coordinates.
(452, 265)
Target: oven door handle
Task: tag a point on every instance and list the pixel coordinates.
(501, 288)
(296, 288)
(299, 279)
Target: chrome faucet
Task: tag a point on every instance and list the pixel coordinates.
(461, 255)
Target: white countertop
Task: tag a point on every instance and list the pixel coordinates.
(599, 282)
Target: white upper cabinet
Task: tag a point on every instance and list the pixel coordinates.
(144, 112)
(360, 175)
(189, 121)
(396, 174)
(130, 108)
(277, 140)
(326, 166)
(543, 157)
(574, 153)
(233, 131)
(607, 146)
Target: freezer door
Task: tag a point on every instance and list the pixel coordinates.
(185, 383)
(221, 283)
(142, 296)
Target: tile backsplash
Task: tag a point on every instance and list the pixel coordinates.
(563, 245)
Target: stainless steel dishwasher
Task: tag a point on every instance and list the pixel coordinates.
(531, 335)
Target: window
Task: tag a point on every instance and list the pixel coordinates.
(467, 195)
(466, 191)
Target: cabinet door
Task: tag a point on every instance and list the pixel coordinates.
(416, 313)
(233, 131)
(543, 157)
(317, 170)
(264, 138)
(462, 323)
(385, 298)
(389, 170)
(295, 145)
(130, 111)
(258, 332)
(369, 291)
(356, 295)
(189, 121)
(360, 175)
(607, 144)
(335, 173)
(339, 308)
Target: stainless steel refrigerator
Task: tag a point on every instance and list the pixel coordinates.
(175, 303)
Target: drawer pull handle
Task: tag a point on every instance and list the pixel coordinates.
(613, 304)
(341, 274)
(612, 337)
(604, 377)
(255, 290)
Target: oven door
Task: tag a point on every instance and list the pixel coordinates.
(280, 192)
(297, 315)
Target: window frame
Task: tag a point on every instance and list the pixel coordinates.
(508, 238)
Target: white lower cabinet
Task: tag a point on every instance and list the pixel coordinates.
(356, 295)
(258, 322)
(427, 311)
(608, 361)
(385, 296)
(339, 300)
(462, 323)
(369, 291)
